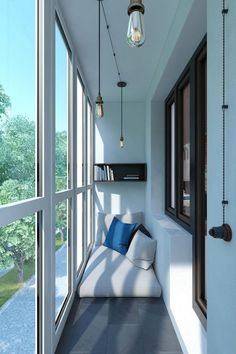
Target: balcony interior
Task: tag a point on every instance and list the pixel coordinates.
(117, 229)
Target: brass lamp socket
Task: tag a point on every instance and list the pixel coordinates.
(99, 100)
(136, 5)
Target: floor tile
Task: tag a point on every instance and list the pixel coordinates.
(159, 335)
(150, 300)
(158, 352)
(123, 310)
(124, 339)
(86, 352)
(150, 309)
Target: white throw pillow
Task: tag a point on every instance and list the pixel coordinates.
(142, 250)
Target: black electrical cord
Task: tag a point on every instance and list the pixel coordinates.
(121, 104)
(224, 108)
(99, 48)
(112, 45)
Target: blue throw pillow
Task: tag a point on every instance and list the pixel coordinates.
(119, 235)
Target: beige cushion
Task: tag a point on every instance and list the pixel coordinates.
(110, 274)
(105, 220)
(142, 250)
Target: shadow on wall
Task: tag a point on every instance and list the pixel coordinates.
(118, 198)
(173, 267)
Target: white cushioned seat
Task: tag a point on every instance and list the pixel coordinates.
(110, 274)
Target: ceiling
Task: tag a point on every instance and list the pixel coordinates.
(137, 65)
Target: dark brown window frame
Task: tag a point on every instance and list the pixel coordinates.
(185, 80)
(175, 96)
(169, 102)
(200, 302)
(195, 224)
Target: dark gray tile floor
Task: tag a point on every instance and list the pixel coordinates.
(119, 326)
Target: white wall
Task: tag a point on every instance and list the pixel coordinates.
(221, 255)
(174, 250)
(120, 197)
(174, 253)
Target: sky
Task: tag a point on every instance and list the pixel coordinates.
(18, 61)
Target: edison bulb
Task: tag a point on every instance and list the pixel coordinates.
(136, 34)
(99, 110)
(121, 142)
(99, 107)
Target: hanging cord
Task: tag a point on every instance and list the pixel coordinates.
(99, 48)
(112, 45)
(224, 231)
(224, 108)
(121, 104)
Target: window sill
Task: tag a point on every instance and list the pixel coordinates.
(170, 226)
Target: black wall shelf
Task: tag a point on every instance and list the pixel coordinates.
(120, 172)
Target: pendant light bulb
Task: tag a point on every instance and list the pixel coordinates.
(121, 85)
(136, 33)
(99, 107)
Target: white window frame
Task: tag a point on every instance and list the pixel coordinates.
(49, 334)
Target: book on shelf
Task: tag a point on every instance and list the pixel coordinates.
(103, 173)
(108, 173)
(112, 175)
(97, 175)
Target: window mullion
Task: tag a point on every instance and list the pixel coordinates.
(75, 166)
(85, 228)
(193, 156)
(47, 54)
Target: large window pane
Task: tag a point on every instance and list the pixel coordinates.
(62, 259)
(80, 110)
(80, 228)
(62, 112)
(185, 205)
(18, 99)
(17, 287)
